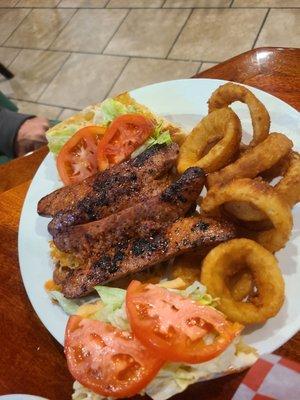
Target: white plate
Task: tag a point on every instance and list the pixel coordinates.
(21, 397)
(186, 102)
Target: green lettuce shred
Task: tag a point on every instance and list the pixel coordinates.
(58, 137)
(110, 109)
(159, 136)
(69, 306)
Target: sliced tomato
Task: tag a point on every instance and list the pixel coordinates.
(77, 159)
(124, 135)
(175, 327)
(107, 360)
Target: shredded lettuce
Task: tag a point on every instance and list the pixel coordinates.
(70, 307)
(114, 310)
(159, 136)
(58, 137)
(197, 292)
(110, 109)
(173, 378)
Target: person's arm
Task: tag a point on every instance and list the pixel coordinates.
(10, 123)
(21, 133)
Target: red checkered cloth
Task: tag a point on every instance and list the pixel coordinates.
(271, 378)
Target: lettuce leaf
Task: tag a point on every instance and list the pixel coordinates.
(58, 137)
(159, 136)
(69, 306)
(110, 109)
(114, 310)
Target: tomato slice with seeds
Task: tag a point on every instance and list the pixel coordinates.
(77, 159)
(175, 327)
(107, 360)
(124, 135)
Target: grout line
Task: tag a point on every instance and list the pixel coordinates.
(179, 33)
(23, 19)
(8, 65)
(110, 54)
(260, 29)
(62, 28)
(63, 109)
(117, 78)
(149, 8)
(198, 70)
(116, 30)
(58, 71)
(42, 103)
(113, 34)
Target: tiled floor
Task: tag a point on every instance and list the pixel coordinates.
(66, 54)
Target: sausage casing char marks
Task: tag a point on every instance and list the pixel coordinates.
(131, 256)
(110, 191)
(174, 202)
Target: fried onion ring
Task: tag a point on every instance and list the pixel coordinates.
(261, 195)
(241, 285)
(222, 130)
(288, 187)
(254, 161)
(230, 92)
(232, 255)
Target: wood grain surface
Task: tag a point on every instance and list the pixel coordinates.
(31, 360)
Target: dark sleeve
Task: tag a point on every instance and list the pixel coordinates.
(10, 123)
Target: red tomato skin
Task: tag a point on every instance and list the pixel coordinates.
(124, 135)
(178, 348)
(81, 334)
(66, 159)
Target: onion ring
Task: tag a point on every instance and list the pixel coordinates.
(254, 161)
(230, 92)
(265, 198)
(231, 256)
(241, 285)
(288, 187)
(222, 130)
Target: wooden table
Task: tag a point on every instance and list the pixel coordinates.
(31, 361)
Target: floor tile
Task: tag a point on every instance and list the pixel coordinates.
(135, 3)
(207, 65)
(83, 3)
(148, 33)
(8, 3)
(7, 55)
(89, 30)
(282, 28)
(33, 71)
(197, 3)
(66, 113)
(266, 3)
(40, 28)
(9, 20)
(37, 3)
(215, 35)
(40, 110)
(83, 80)
(142, 71)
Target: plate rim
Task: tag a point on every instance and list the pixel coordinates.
(28, 193)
